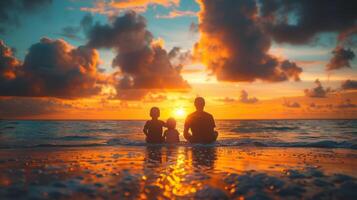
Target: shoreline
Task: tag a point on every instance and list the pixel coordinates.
(131, 172)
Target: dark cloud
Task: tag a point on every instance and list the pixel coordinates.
(349, 85)
(73, 32)
(178, 58)
(235, 46)
(151, 98)
(143, 63)
(10, 10)
(236, 35)
(244, 98)
(29, 107)
(346, 104)
(227, 100)
(291, 104)
(52, 68)
(321, 106)
(317, 92)
(299, 21)
(341, 58)
(8, 63)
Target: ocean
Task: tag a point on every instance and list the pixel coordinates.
(252, 159)
(261, 133)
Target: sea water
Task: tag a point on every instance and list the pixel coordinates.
(252, 159)
(262, 133)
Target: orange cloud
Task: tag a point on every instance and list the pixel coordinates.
(114, 7)
(143, 62)
(52, 68)
(177, 13)
(235, 47)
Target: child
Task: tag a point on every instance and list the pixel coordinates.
(171, 135)
(153, 127)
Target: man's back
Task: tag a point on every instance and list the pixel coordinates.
(202, 127)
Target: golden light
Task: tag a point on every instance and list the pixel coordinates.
(179, 112)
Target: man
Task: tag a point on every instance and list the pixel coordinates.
(201, 124)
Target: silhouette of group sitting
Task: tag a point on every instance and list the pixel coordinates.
(200, 123)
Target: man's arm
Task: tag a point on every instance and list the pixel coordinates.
(186, 134)
(213, 124)
(145, 129)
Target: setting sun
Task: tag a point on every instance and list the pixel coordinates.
(179, 112)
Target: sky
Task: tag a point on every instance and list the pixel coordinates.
(115, 59)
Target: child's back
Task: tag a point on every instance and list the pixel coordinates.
(154, 131)
(171, 135)
(153, 127)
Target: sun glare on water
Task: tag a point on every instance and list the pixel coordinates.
(179, 112)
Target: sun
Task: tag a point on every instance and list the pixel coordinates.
(179, 112)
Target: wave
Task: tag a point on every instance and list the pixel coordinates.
(263, 143)
(255, 129)
(243, 143)
(76, 137)
(96, 130)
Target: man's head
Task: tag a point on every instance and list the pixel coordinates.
(199, 103)
(154, 112)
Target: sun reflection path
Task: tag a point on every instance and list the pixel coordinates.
(173, 179)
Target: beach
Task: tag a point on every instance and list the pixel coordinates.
(167, 172)
(233, 168)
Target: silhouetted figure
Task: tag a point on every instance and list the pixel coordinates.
(171, 135)
(153, 127)
(201, 124)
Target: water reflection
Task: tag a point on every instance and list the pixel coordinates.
(153, 156)
(204, 157)
(160, 172)
(179, 170)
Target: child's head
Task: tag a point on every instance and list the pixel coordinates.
(154, 112)
(171, 123)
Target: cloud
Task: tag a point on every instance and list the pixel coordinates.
(244, 98)
(227, 100)
(72, 32)
(349, 85)
(317, 92)
(341, 58)
(10, 11)
(115, 7)
(8, 63)
(235, 46)
(142, 62)
(179, 58)
(302, 21)
(299, 21)
(52, 68)
(177, 13)
(291, 104)
(346, 104)
(28, 107)
(321, 106)
(151, 98)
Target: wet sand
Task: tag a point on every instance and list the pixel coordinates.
(184, 172)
